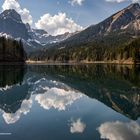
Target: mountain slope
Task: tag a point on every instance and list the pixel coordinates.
(114, 39)
(122, 21)
(125, 23)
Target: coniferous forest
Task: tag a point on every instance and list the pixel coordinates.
(11, 50)
(106, 50)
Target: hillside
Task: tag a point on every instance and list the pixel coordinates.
(104, 50)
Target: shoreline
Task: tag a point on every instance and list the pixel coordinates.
(29, 62)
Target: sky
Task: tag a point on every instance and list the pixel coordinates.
(60, 16)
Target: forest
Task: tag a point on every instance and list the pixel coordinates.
(11, 50)
(106, 49)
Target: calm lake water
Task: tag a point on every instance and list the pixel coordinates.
(79, 102)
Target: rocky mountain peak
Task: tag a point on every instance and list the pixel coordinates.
(12, 14)
(134, 9)
(11, 24)
(133, 6)
(123, 18)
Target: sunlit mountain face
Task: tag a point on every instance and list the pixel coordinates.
(80, 100)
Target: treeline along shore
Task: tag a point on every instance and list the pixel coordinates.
(11, 50)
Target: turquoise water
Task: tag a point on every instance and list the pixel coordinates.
(69, 102)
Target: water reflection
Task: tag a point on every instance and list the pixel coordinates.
(116, 86)
(11, 75)
(77, 126)
(120, 131)
(14, 97)
(11, 118)
(58, 87)
(53, 94)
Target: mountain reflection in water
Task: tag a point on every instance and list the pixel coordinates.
(116, 86)
(57, 87)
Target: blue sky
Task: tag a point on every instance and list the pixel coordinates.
(86, 13)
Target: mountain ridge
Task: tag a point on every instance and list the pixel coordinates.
(108, 25)
(33, 39)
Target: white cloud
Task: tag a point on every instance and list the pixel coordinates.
(134, 1)
(116, 1)
(119, 1)
(120, 131)
(76, 2)
(57, 24)
(11, 118)
(25, 13)
(77, 126)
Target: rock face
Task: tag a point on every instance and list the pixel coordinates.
(123, 19)
(11, 24)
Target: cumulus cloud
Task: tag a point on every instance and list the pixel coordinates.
(76, 2)
(57, 24)
(11, 118)
(77, 126)
(25, 13)
(120, 131)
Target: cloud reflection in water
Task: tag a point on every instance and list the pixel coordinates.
(77, 126)
(55, 94)
(48, 94)
(120, 131)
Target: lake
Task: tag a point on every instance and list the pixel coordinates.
(70, 102)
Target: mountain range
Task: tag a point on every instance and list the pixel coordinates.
(125, 21)
(111, 39)
(116, 39)
(12, 25)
